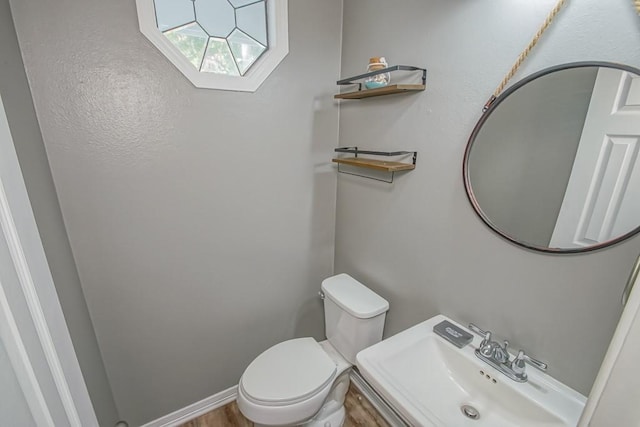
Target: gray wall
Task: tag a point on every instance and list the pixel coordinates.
(16, 96)
(202, 221)
(418, 242)
(522, 157)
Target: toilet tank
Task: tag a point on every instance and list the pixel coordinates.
(353, 315)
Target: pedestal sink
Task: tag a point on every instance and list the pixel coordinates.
(430, 382)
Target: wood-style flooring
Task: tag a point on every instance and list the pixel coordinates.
(360, 413)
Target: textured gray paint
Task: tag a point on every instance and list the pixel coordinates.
(202, 221)
(418, 242)
(522, 157)
(32, 156)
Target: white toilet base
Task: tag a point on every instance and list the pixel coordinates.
(335, 419)
(331, 413)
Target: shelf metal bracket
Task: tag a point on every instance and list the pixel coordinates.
(352, 80)
(388, 181)
(355, 151)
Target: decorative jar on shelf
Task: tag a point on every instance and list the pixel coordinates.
(379, 80)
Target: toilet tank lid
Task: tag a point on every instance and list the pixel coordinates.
(353, 297)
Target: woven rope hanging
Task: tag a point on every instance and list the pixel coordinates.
(525, 53)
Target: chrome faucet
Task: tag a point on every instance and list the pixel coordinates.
(497, 355)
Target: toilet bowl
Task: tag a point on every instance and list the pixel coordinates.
(289, 383)
(304, 382)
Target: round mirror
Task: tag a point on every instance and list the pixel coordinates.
(553, 164)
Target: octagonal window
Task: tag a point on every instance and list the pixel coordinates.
(227, 44)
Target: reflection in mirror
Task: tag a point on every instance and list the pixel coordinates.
(216, 36)
(553, 165)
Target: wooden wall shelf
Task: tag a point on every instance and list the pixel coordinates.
(375, 164)
(381, 165)
(387, 90)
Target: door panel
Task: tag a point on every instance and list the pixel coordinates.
(32, 326)
(599, 203)
(13, 404)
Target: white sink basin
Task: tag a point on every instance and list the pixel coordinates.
(428, 381)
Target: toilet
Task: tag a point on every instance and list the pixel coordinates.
(304, 382)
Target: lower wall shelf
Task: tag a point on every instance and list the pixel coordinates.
(375, 164)
(387, 90)
(380, 165)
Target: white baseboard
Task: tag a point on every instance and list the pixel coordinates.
(194, 410)
(218, 400)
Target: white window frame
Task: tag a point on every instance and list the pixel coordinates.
(278, 34)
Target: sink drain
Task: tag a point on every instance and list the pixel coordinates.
(470, 412)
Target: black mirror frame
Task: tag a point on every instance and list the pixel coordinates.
(485, 116)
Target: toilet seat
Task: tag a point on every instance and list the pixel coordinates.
(287, 373)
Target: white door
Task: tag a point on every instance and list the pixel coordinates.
(42, 384)
(13, 403)
(615, 395)
(599, 202)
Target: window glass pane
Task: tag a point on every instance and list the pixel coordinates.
(252, 20)
(191, 40)
(240, 3)
(173, 13)
(218, 58)
(215, 16)
(232, 44)
(245, 49)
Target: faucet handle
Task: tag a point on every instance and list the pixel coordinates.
(518, 361)
(518, 365)
(486, 336)
(536, 363)
(479, 331)
(487, 339)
